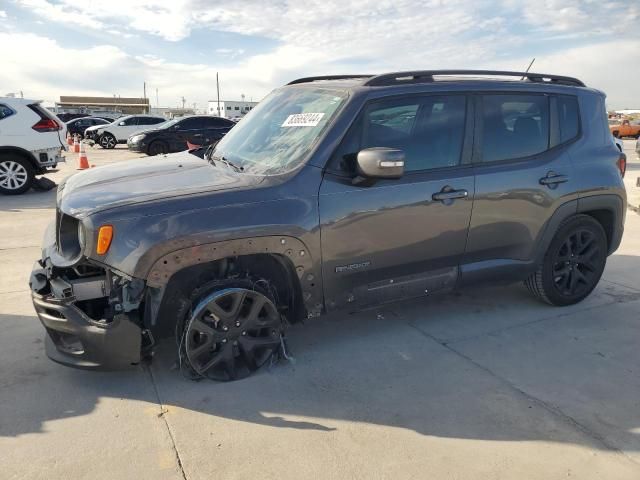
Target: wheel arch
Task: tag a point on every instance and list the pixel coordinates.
(23, 153)
(280, 260)
(608, 210)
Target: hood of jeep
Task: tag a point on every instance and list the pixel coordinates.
(147, 179)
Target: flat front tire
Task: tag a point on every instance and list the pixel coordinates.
(573, 263)
(231, 329)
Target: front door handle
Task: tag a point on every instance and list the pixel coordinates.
(551, 180)
(449, 194)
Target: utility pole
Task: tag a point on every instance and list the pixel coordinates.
(218, 89)
(183, 101)
(144, 95)
(157, 102)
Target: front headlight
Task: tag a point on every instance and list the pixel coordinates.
(136, 138)
(82, 239)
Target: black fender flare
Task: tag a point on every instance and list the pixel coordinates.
(609, 202)
(291, 248)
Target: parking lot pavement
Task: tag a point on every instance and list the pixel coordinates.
(483, 384)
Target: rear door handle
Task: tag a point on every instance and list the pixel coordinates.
(447, 193)
(553, 179)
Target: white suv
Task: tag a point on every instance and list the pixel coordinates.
(31, 139)
(120, 130)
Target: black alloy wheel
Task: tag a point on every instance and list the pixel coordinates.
(231, 333)
(576, 266)
(108, 141)
(573, 264)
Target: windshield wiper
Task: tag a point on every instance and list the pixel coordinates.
(222, 159)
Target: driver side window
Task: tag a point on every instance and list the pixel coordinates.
(429, 129)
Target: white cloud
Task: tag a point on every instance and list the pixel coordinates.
(325, 37)
(3, 14)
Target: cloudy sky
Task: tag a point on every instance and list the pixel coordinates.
(50, 48)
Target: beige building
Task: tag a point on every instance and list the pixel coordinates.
(122, 105)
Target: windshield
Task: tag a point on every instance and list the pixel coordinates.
(277, 135)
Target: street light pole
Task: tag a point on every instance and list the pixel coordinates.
(218, 89)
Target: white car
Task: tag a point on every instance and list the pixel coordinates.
(31, 140)
(121, 129)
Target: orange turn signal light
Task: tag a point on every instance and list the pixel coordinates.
(105, 235)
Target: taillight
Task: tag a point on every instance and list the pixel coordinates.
(46, 123)
(622, 164)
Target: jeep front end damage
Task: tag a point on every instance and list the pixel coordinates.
(91, 314)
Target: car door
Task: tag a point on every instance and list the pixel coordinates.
(125, 128)
(523, 174)
(399, 238)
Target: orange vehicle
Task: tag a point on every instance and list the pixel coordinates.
(625, 129)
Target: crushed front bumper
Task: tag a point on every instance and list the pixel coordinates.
(73, 337)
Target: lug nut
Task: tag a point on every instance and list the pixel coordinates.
(237, 324)
(224, 340)
(225, 328)
(244, 333)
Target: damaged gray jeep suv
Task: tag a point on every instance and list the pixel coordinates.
(333, 193)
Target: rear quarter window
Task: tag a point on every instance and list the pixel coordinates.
(5, 112)
(568, 117)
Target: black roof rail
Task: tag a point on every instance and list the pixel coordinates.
(326, 77)
(426, 76)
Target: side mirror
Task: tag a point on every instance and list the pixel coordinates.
(380, 162)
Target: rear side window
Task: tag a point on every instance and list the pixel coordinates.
(151, 121)
(429, 130)
(217, 122)
(192, 123)
(129, 121)
(5, 111)
(568, 117)
(514, 126)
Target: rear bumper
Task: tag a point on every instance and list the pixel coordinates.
(76, 340)
(48, 157)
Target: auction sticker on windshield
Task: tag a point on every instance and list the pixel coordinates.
(303, 120)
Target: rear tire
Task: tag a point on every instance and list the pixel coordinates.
(16, 174)
(573, 263)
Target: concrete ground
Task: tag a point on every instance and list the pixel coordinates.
(484, 384)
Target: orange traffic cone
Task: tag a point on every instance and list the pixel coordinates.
(83, 161)
(69, 139)
(76, 144)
